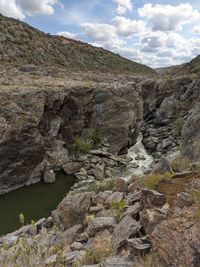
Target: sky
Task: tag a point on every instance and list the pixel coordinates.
(156, 33)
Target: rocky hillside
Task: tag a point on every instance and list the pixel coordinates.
(191, 68)
(21, 44)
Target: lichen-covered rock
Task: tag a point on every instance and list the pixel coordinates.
(73, 209)
(99, 224)
(125, 229)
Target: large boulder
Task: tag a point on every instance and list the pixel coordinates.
(128, 227)
(72, 209)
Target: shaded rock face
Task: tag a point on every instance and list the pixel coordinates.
(38, 126)
(191, 135)
(167, 106)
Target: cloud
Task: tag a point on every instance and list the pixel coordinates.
(104, 35)
(10, 8)
(32, 7)
(123, 6)
(21, 8)
(197, 29)
(167, 17)
(68, 35)
(127, 27)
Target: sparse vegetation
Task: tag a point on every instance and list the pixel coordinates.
(179, 126)
(180, 164)
(90, 139)
(196, 197)
(151, 181)
(117, 208)
(101, 249)
(18, 48)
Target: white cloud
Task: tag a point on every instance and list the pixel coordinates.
(168, 17)
(68, 35)
(32, 7)
(20, 8)
(197, 29)
(11, 9)
(127, 27)
(103, 35)
(123, 6)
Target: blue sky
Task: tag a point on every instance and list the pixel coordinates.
(156, 33)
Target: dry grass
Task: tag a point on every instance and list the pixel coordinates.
(151, 181)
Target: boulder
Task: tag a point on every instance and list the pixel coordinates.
(99, 224)
(49, 176)
(128, 227)
(71, 234)
(152, 198)
(149, 218)
(72, 167)
(73, 209)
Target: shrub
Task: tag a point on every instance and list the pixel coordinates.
(89, 140)
(179, 126)
(80, 146)
(180, 164)
(117, 208)
(151, 181)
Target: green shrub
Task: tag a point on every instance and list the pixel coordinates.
(151, 181)
(179, 126)
(89, 140)
(80, 146)
(117, 208)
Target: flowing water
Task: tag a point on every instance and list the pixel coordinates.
(35, 202)
(141, 161)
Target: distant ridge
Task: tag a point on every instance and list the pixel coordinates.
(21, 44)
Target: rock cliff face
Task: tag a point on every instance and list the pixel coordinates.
(171, 116)
(37, 126)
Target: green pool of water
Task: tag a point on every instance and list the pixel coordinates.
(35, 202)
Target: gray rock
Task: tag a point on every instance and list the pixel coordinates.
(118, 261)
(72, 167)
(82, 174)
(152, 198)
(114, 197)
(49, 176)
(99, 224)
(128, 227)
(71, 234)
(150, 218)
(133, 210)
(98, 171)
(191, 135)
(140, 244)
(134, 197)
(150, 143)
(73, 209)
(76, 246)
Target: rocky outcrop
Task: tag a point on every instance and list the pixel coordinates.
(167, 105)
(191, 135)
(37, 127)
